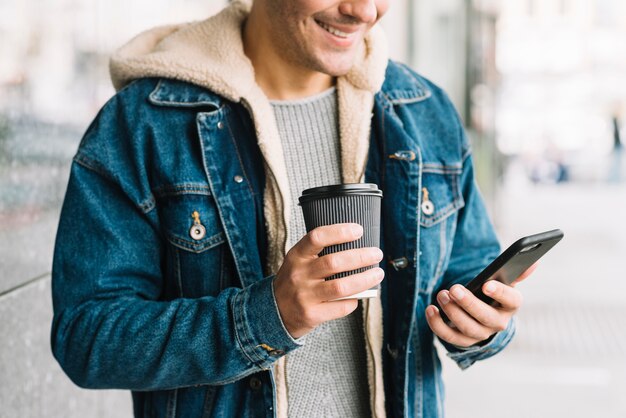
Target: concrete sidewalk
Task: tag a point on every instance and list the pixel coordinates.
(568, 358)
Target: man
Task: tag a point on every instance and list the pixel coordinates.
(182, 269)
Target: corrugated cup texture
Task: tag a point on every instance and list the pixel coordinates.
(356, 203)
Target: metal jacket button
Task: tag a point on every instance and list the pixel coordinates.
(393, 352)
(399, 263)
(220, 125)
(403, 155)
(238, 179)
(255, 383)
(428, 207)
(276, 353)
(197, 231)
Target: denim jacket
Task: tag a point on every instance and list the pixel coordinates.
(186, 318)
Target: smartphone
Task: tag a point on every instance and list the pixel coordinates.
(509, 265)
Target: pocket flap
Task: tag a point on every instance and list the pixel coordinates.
(191, 221)
(442, 190)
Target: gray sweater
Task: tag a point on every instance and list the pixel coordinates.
(327, 377)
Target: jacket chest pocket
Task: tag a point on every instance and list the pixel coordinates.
(198, 262)
(441, 199)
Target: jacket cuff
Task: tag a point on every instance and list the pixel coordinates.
(260, 331)
(465, 357)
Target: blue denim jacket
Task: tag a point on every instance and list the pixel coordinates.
(185, 322)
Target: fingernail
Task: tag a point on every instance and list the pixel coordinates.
(490, 287)
(458, 293)
(430, 311)
(356, 229)
(444, 298)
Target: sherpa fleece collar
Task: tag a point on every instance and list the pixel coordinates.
(210, 54)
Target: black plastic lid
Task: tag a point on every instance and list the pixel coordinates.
(363, 189)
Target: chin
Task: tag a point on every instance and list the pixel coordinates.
(336, 66)
(336, 72)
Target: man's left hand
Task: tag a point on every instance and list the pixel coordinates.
(474, 321)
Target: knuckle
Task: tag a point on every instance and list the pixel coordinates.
(451, 338)
(308, 318)
(332, 263)
(483, 318)
(478, 334)
(299, 300)
(338, 287)
(468, 302)
(362, 257)
(463, 328)
(345, 231)
(469, 330)
(315, 238)
(294, 276)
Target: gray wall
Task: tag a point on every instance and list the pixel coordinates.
(33, 384)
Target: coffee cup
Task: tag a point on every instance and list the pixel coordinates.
(346, 203)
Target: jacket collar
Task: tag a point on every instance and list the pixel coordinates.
(403, 86)
(174, 93)
(400, 86)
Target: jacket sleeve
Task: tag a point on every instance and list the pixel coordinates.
(475, 245)
(110, 327)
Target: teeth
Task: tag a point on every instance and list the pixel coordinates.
(332, 30)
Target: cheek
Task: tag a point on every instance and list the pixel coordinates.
(381, 8)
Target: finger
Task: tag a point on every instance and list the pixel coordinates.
(525, 274)
(462, 320)
(351, 285)
(347, 260)
(323, 236)
(445, 332)
(509, 297)
(337, 309)
(482, 312)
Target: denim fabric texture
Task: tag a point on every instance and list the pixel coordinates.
(188, 321)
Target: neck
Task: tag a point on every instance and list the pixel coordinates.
(279, 79)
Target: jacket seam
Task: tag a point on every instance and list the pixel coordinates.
(442, 168)
(240, 330)
(92, 165)
(466, 155)
(426, 93)
(416, 99)
(182, 189)
(243, 169)
(209, 243)
(144, 206)
(152, 97)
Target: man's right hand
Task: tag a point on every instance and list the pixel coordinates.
(305, 300)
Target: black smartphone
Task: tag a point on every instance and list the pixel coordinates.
(509, 265)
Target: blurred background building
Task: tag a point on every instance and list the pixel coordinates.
(541, 87)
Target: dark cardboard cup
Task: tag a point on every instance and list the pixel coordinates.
(342, 203)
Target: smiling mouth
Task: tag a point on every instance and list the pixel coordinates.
(332, 30)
